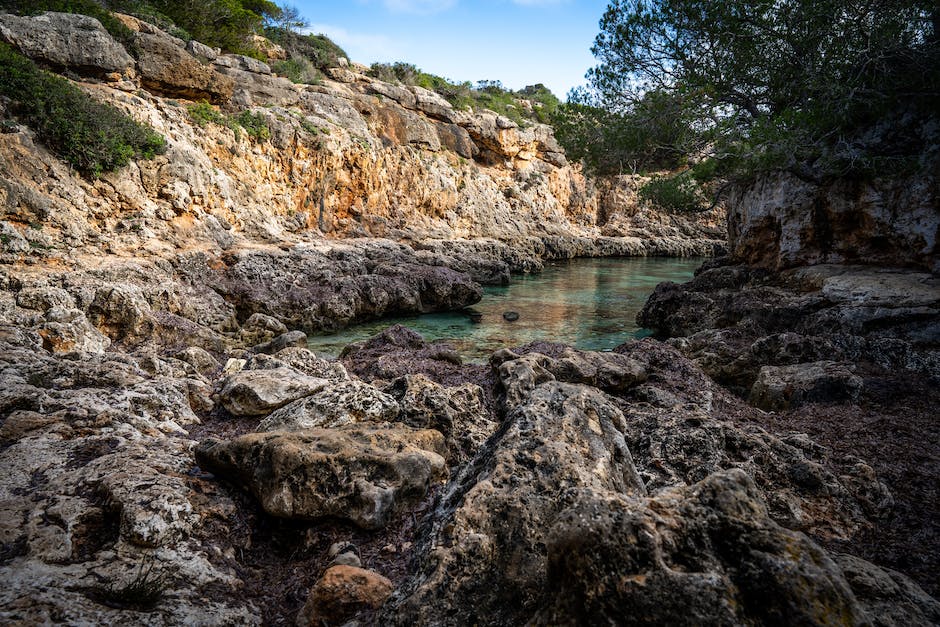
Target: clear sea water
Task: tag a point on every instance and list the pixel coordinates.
(587, 303)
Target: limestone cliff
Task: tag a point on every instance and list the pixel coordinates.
(349, 157)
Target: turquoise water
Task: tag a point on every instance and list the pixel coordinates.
(587, 303)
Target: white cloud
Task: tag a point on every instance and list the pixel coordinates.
(419, 7)
(363, 47)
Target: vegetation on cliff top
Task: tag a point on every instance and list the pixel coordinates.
(535, 103)
(823, 88)
(91, 136)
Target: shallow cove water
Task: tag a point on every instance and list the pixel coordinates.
(587, 303)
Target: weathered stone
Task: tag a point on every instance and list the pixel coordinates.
(167, 68)
(258, 392)
(77, 42)
(362, 474)
(341, 403)
(787, 387)
(341, 593)
(486, 556)
(256, 89)
(457, 412)
(260, 328)
(296, 339)
(706, 554)
(68, 330)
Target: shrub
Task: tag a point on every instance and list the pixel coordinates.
(298, 70)
(91, 136)
(254, 124)
(677, 192)
(203, 113)
(318, 50)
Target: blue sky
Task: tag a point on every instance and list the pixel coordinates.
(517, 42)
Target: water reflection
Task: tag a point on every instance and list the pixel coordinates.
(588, 303)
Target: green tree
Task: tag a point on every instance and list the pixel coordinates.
(775, 83)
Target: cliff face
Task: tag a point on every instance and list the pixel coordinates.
(781, 221)
(349, 157)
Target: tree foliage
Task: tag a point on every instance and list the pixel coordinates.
(771, 83)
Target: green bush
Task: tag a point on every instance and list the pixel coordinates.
(678, 192)
(298, 70)
(318, 50)
(254, 124)
(91, 136)
(203, 113)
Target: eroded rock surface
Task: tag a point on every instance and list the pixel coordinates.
(358, 473)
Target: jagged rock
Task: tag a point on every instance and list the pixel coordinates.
(258, 392)
(312, 290)
(786, 387)
(256, 89)
(457, 412)
(200, 359)
(889, 598)
(303, 360)
(260, 328)
(433, 104)
(341, 593)
(781, 220)
(167, 68)
(76, 42)
(242, 62)
(706, 554)
(297, 339)
(485, 559)
(358, 473)
(44, 298)
(341, 403)
(121, 311)
(67, 330)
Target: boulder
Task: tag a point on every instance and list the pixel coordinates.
(256, 89)
(68, 40)
(457, 412)
(258, 392)
(341, 403)
(485, 559)
(362, 474)
(341, 593)
(788, 387)
(295, 339)
(706, 554)
(68, 330)
(167, 68)
(260, 328)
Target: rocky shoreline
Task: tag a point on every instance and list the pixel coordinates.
(172, 453)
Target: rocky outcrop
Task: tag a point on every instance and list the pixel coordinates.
(356, 473)
(735, 319)
(587, 506)
(780, 221)
(351, 158)
(66, 41)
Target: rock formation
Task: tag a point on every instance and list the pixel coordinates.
(172, 453)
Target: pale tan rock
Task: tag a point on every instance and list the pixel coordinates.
(359, 473)
(258, 392)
